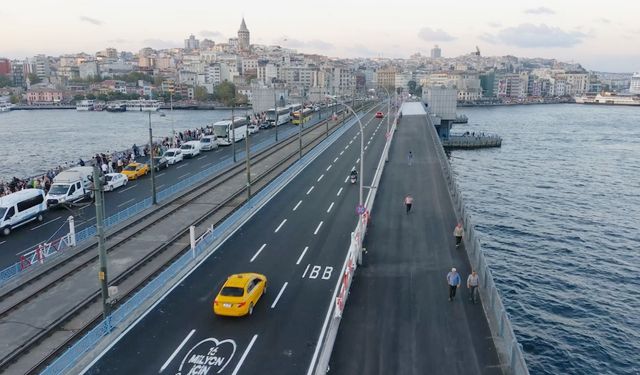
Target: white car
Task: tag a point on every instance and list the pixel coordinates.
(253, 129)
(114, 181)
(208, 143)
(173, 155)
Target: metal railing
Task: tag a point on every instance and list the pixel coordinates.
(509, 350)
(189, 259)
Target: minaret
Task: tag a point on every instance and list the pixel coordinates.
(243, 37)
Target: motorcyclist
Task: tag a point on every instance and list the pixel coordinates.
(354, 173)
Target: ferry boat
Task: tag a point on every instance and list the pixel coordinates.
(143, 105)
(608, 99)
(86, 105)
(116, 107)
(6, 106)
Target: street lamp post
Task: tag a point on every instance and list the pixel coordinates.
(388, 107)
(275, 108)
(248, 164)
(361, 177)
(232, 137)
(102, 252)
(151, 165)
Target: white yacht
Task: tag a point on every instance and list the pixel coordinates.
(5, 106)
(85, 105)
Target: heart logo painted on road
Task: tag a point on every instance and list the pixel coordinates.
(208, 354)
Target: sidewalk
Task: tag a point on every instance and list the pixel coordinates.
(398, 319)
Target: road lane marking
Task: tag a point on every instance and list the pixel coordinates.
(366, 147)
(317, 228)
(280, 226)
(320, 178)
(279, 295)
(341, 152)
(258, 252)
(335, 160)
(85, 221)
(126, 202)
(358, 160)
(175, 352)
(182, 165)
(330, 207)
(302, 255)
(346, 148)
(346, 179)
(201, 157)
(48, 222)
(205, 166)
(329, 167)
(184, 175)
(296, 207)
(351, 142)
(305, 271)
(2, 242)
(339, 191)
(310, 190)
(244, 355)
(129, 188)
(161, 186)
(160, 174)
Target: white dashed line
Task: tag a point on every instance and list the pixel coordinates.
(358, 160)
(329, 167)
(175, 352)
(279, 295)
(205, 166)
(160, 174)
(48, 222)
(318, 228)
(351, 142)
(302, 255)
(2, 242)
(183, 176)
(182, 165)
(346, 179)
(258, 252)
(310, 190)
(305, 271)
(201, 157)
(335, 160)
(129, 188)
(341, 152)
(339, 192)
(321, 177)
(366, 147)
(330, 207)
(280, 226)
(123, 203)
(244, 355)
(296, 207)
(161, 186)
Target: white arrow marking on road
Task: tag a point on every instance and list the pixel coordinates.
(258, 252)
(244, 355)
(302, 255)
(330, 207)
(318, 228)
(296, 207)
(175, 352)
(48, 222)
(310, 190)
(339, 191)
(280, 226)
(279, 295)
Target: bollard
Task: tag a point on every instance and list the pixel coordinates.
(72, 231)
(192, 237)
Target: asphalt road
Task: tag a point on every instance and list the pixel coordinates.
(398, 319)
(55, 225)
(299, 241)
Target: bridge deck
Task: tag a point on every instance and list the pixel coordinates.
(398, 319)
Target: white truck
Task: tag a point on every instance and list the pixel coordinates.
(71, 185)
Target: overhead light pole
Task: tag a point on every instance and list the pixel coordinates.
(275, 108)
(151, 165)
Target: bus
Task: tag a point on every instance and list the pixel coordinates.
(294, 107)
(283, 114)
(223, 131)
(306, 116)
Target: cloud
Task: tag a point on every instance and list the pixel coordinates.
(92, 21)
(319, 44)
(210, 34)
(603, 20)
(118, 40)
(297, 43)
(432, 35)
(539, 10)
(361, 51)
(528, 35)
(160, 43)
(494, 24)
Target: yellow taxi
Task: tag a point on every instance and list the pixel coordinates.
(135, 170)
(239, 294)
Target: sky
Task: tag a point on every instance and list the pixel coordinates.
(600, 35)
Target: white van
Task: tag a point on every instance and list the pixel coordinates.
(208, 143)
(21, 207)
(190, 149)
(71, 185)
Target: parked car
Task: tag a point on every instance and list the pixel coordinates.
(160, 162)
(190, 149)
(21, 207)
(173, 155)
(208, 143)
(135, 170)
(239, 294)
(265, 125)
(113, 181)
(253, 129)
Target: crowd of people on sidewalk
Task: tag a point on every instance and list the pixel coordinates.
(109, 162)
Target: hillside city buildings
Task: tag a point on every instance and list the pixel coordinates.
(261, 72)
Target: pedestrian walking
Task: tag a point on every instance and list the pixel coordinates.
(453, 279)
(457, 233)
(408, 202)
(473, 282)
(410, 158)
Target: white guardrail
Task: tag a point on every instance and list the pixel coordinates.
(320, 361)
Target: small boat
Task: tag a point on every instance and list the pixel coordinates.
(5, 106)
(162, 114)
(85, 105)
(116, 108)
(461, 119)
